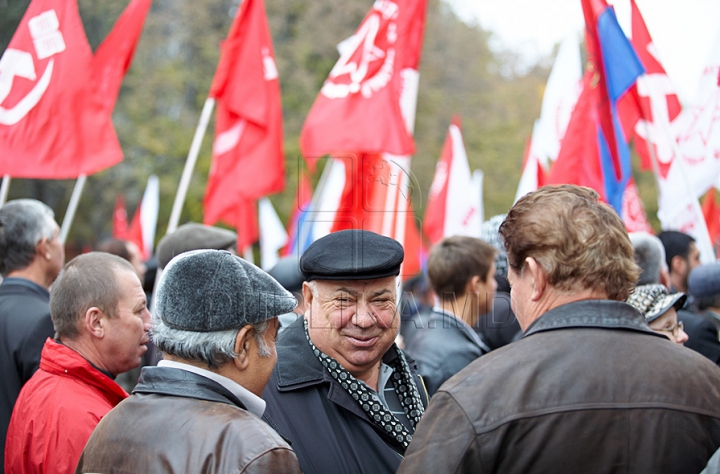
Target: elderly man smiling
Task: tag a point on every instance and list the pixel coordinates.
(342, 391)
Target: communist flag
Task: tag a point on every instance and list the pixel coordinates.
(57, 97)
(248, 160)
(358, 109)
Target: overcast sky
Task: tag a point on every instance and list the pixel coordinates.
(683, 30)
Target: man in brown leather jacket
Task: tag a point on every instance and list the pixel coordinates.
(199, 410)
(590, 387)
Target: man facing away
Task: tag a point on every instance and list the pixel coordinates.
(31, 256)
(462, 274)
(343, 393)
(590, 387)
(98, 310)
(199, 409)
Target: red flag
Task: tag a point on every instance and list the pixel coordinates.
(451, 208)
(374, 190)
(358, 109)
(135, 233)
(655, 100)
(578, 160)
(711, 212)
(248, 159)
(56, 97)
(120, 223)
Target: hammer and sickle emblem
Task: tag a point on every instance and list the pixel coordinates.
(48, 41)
(20, 63)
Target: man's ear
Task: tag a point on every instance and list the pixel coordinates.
(94, 322)
(243, 343)
(42, 249)
(473, 285)
(678, 265)
(307, 295)
(539, 279)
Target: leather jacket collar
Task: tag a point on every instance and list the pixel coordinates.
(181, 383)
(606, 314)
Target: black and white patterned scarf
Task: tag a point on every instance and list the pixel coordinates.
(368, 399)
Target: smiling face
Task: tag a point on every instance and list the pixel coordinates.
(126, 335)
(354, 322)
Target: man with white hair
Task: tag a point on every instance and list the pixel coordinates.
(31, 256)
(199, 410)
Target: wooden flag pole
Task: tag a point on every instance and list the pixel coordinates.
(72, 207)
(190, 165)
(4, 189)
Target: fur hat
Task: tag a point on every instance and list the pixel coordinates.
(213, 290)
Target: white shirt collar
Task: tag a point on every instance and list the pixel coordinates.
(252, 402)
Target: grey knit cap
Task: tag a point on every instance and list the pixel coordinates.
(489, 232)
(213, 290)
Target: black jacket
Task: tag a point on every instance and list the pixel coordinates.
(328, 430)
(443, 347)
(702, 331)
(180, 422)
(25, 324)
(589, 388)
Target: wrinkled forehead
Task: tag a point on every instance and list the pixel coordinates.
(359, 287)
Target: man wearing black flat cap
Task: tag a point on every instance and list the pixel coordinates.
(342, 392)
(199, 410)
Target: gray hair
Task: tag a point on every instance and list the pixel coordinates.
(212, 348)
(87, 280)
(649, 255)
(23, 224)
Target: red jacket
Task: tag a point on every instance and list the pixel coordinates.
(56, 412)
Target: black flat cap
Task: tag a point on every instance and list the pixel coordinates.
(352, 255)
(193, 236)
(213, 290)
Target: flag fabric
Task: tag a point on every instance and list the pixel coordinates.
(633, 210)
(451, 209)
(359, 107)
(559, 98)
(298, 240)
(373, 187)
(659, 116)
(57, 97)
(615, 67)
(272, 234)
(248, 159)
(120, 222)
(144, 224)
(711, 213)
(656, 100)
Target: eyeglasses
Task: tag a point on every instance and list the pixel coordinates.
(674, 329)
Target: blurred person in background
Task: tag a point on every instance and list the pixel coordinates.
(31, 256)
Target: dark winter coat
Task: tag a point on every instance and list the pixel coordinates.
(328, 429)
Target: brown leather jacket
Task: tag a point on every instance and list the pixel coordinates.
(180, 422)
(590, 388)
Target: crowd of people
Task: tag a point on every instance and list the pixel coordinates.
(555, 343)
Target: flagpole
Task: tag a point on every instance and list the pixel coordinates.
(190, 165)
(72, 207)
(4, 188)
